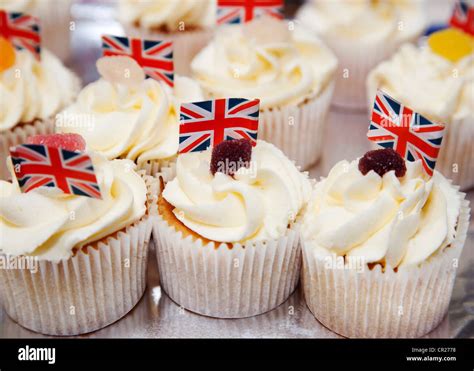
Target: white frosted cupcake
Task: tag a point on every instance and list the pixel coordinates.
(136, 120)
(228, 245)
(380, 252)
(55, 18)
(188, 23)
(86, 257)
(362, 33)
(442, 91)
(290, 72)
(32, 93)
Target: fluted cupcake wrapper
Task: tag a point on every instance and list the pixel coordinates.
(355, 63)
(55, 18)
(457, 153)
(218, 281)
(186, 44)
(374, 304)
(96, 287)
(153, 167)
(18, 135)
(298, 131)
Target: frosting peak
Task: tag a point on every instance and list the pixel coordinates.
(399, 221)
(49, 224)
(365, 20)
(139, 123)
(169, 15)
(280, 69)
(32, 89)
(413, 71)
(256, 203)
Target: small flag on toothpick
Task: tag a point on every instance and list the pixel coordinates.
(206, 124)
(38, 165)
(410, 134)
(155, 57)
(241, 11)
(22, 30)
(463, 16)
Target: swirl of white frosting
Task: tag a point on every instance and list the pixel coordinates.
(32, 89)
(48, 224)
(169, 15)
(264, 60)
(365, 21)
(140, 123)
(399, 221)
(258, 203)
(412, 72)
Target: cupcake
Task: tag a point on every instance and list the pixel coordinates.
(188, 23)
(440, 89)
(55, 18)
(362, 33)
(227, 231)
(32, 92)
(133, 118)
(290, 72)
(381, 242)
(80, 262)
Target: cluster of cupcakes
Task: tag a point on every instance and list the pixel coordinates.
(236, 221)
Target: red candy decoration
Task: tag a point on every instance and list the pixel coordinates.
(230, 155)
(382, 161)
(67, 141)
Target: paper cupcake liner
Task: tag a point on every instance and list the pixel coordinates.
(153, 167)
(218, 281)
(55, 18)
(355, 63)
(18, 135)
(97, 286)
(455, 160)
(186, 44)
(298, 131)
(375, 304)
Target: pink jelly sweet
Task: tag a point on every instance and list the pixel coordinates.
(68, 141)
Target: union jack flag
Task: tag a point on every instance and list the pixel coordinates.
(155, 57)
(37, 165)
(412, 135)
(208, 123)
(241, 11)
(463, 16)
(22, 30)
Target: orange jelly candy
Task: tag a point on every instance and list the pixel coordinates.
(7, 53)
(451, 44)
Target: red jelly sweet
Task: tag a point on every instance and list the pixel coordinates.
(382, 161)
(230, 155)
(67, 141)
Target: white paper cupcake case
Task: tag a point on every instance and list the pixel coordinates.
(226, 283)
(153, 167)
(217, 281)
(18, 135)
(375, 304)
(86, 292)
(457, 153)
(186, 44)
(351, 91)
(298, 131)
(55, 18)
